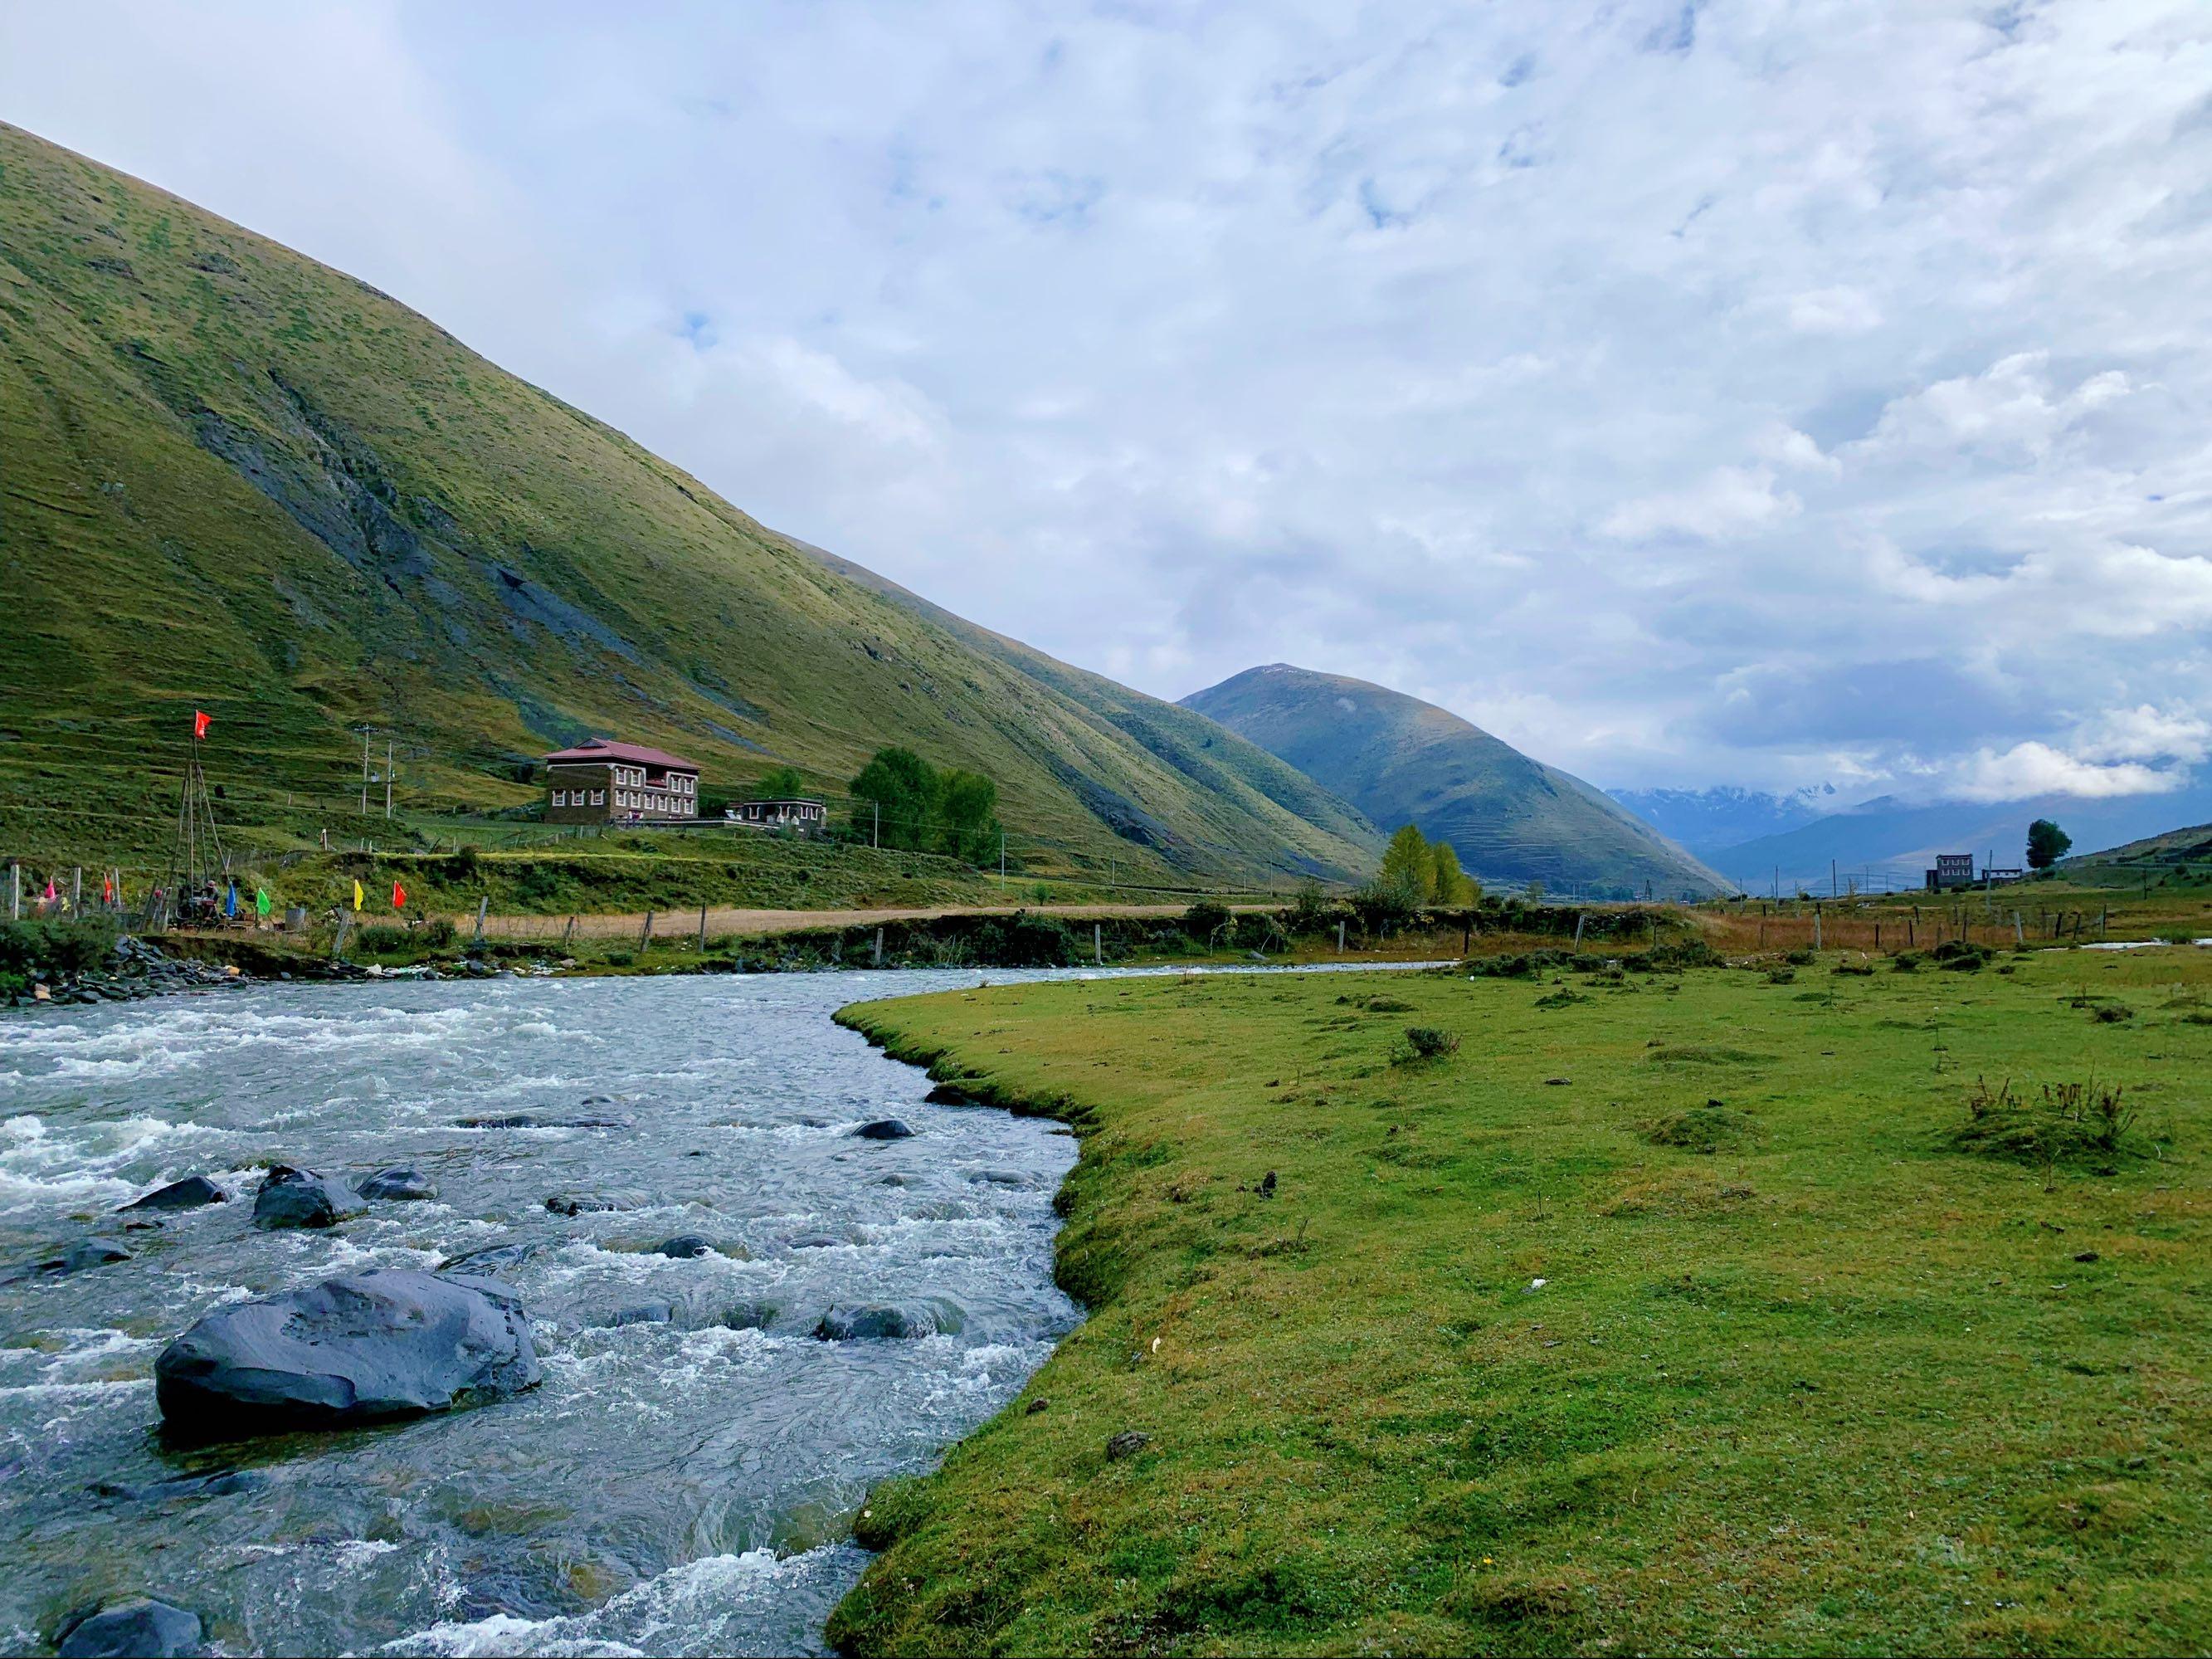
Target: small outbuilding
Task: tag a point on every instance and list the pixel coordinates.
(792, 813)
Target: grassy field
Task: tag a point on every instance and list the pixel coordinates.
(1699, 1311)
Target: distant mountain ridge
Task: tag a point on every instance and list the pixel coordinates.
(1399, 759)
(1703, 821)
(1890, 842)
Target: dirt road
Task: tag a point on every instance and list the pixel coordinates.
(724, 921)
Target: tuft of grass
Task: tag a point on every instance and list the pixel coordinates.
(1429, 1042)
(2059, 1123)
(1711, 1127)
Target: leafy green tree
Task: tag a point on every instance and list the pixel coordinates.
(967, 803)
(1409, 869)
(2047, 844)
(895, 799)
(784, 783)
(1450, 884)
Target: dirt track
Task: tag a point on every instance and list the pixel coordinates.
(724, 921)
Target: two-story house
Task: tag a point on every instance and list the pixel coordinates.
(601, 781)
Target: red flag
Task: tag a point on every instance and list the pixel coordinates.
(50, 889)
(107, 889)
(398, 896)
(200, 726)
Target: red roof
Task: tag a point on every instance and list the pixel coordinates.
(635, 754)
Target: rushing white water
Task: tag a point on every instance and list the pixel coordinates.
(676, 1488)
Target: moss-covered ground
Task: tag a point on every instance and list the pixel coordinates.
(1670, 1313)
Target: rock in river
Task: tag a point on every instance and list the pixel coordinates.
(397, 1182)
(683, 1247)
(186, 1194)
(350, 1350)
(892, 1320)
(122, 1630)
(883, 1128)
(85, 1253)
(300, 1198)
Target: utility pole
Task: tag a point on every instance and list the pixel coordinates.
(876, 824)
(364, 771)
(387, 777)
(1002, 858)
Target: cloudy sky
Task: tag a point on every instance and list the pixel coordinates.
(1733, 392)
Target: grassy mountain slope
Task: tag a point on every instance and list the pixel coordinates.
(1232, 772)
(238, 480)
(1402, 760)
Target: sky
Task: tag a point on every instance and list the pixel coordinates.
(1731, 393)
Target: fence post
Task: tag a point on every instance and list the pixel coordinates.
(337, 945)
(2019, 938)
(76, 890)
(877, 959)
(482, 904)
(1098, 943)
(1339, 939)
(645, 934)
(567, 933)
(1816, 927)
(15, 890)
(1579, 920)
(702, 930)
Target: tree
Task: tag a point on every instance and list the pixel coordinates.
(784, 783)
(895, 799)
(1450, 884)
(1409, 869)
(968, 802)
(2047, 844)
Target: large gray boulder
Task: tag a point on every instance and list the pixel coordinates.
(85, 1253)
(892, 1321)
(300, 1198)
(350, 1350)
(137, 1629)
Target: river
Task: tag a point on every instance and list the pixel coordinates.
(671, 1487)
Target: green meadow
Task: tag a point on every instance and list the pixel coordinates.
(1801, 1308)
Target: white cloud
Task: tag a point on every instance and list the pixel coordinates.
(1730, 501)
(1834, 310)
(2145, 734)
(2037, 769)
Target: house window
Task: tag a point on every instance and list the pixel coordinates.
(598, 798)
(560, 798)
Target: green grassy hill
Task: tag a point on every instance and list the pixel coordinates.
(1402, 760)
(234, 479)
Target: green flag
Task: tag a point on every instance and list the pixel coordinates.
(261, 901)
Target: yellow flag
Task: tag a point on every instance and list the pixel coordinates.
(356, 896)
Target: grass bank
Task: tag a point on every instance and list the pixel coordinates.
(1673, 1311)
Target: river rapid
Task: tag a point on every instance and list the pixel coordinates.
(680, 1487)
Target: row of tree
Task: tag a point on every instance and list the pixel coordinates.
(899, 800)
(1417, 871)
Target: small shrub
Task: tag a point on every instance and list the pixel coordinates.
(1961, 956)
(2064, 1121)
(1782, 976)
(1387, 1005)
(2112, 1013)
(1430, 1043)
(1905, 962)
(620, 958)
(381, 940)
(1309, 911)
(1799, 958)
(1860, 969)
(1204, 918)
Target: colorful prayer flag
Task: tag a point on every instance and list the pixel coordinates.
(398, 896)
(356, 895)
(200, 726)
(230, 902)
(51, 894)
(261, 902)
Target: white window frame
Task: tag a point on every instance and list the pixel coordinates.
(598, 798)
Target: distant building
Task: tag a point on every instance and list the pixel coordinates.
(1951, 870)
(600, 781)
(806, 817)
